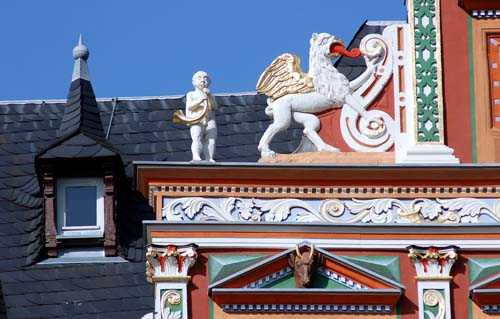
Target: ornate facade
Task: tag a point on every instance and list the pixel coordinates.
(379, 199)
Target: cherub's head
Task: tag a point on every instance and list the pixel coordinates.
(201, 80)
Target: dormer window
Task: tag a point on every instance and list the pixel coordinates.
(80, 208)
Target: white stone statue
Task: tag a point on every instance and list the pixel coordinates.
(200, 117)
(297, 95)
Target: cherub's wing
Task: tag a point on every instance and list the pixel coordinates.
(283, 77)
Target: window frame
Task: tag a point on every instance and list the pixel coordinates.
(93, 231)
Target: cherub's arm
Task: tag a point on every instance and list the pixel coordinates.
(194, 104)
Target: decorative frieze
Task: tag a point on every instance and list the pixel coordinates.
(491, 309)
(444, 191)
(271, 278)
(305, 308)
(348, 282)
(433, 266)
(372, 211)
(486, 14)
(167, 267)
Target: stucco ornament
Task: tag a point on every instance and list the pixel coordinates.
(349, 211)
(200, 117)
(296, 95)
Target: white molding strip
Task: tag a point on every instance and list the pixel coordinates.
(365, 244)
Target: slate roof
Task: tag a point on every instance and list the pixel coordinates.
(139, 129)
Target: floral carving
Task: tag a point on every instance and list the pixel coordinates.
(170, 261)
(433, 262)
(373, 211)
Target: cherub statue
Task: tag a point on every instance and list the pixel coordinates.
(200, 117)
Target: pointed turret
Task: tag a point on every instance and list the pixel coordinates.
(81, 114)
(81, 133)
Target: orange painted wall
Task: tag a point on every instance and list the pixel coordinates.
(458, 130)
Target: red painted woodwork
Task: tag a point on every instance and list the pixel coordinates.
(109, 214)
(494, 72)
(456, 97)
(50, 213)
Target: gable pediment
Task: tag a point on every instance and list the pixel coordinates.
(336, 283)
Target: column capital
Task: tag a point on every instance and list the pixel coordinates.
(433, 263)
(170, 263)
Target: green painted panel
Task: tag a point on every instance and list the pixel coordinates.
(426, 70)
(472, 89)
(387, 266)
(321, 281)
(481, 268)
(223, 265)
(286, 282)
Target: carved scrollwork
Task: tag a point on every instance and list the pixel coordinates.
(374, 211)
(373, 131)
(434, 298)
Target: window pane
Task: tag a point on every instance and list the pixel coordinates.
(81, 206)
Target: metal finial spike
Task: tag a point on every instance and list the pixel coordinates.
(80, 51)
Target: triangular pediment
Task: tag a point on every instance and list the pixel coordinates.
(272, 281)
(486, 292)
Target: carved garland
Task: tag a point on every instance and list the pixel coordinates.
(376, 211)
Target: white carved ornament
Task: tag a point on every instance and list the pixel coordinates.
(169, 261)
(374, 211)
(433, 262)
(373, 132)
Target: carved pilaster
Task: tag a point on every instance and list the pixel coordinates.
(50, 213)
(167, 267)
(425, 119)
(109, 215)
(433, 266)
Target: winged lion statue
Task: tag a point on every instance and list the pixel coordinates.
(296, 95)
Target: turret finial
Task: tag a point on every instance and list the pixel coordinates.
(80, 51)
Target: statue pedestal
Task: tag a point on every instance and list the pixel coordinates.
(331, 158)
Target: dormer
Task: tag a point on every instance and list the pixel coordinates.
(79, 172)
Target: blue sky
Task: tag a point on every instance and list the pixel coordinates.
(140, 48)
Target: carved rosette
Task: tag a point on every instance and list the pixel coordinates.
(169, 263)
(433, 262)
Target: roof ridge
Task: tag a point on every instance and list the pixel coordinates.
(121, 98)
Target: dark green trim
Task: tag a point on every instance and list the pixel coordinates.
(469, 309)
(211, 313)
(472, 89)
